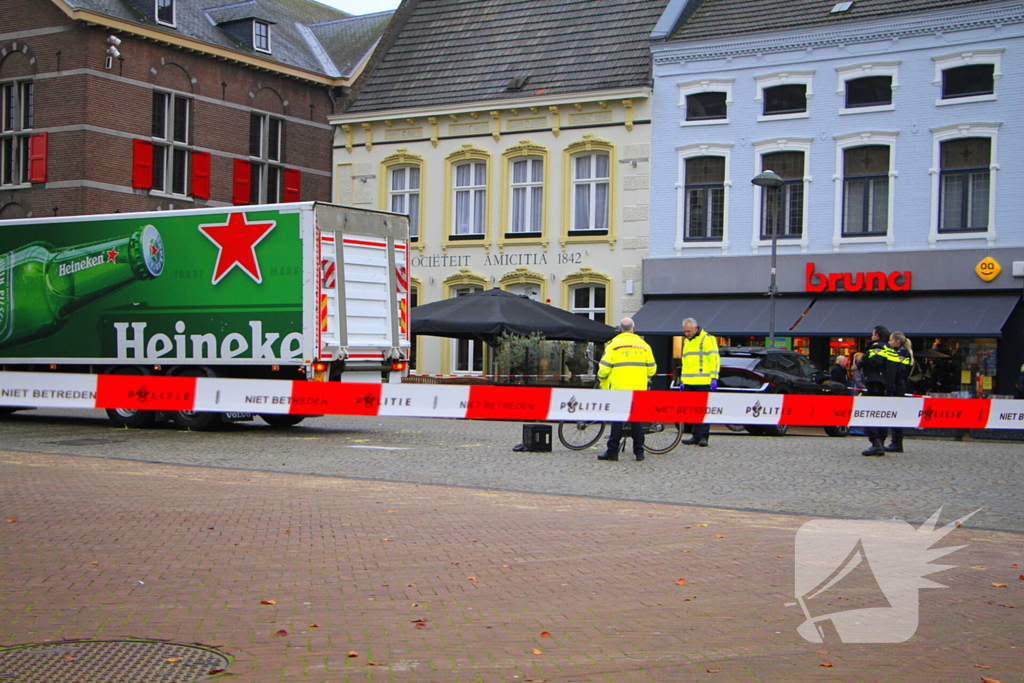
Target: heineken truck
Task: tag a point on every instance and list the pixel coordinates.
(307, 291)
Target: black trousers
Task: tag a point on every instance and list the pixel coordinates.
(877, 389)
(636, 433)
(701, 430)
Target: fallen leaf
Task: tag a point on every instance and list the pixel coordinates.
(537, 652)
(702, 525)
(287, 531)
(392, 510)
(268, 602)
(1021, 577)
(978, 566)
(12, 520)
(172, 659)
(545, 634)
(68, 658)
(472, 578)
(94, 563)
(1015, 566)
(376, 664)
(681, 582)
(505, 565)
(456, 563)
(999, 585)
(712, 671)
(419, 621)
(352, 654)
(281, 634)
(989, 680)
(410, 585)
(719, 536)
(827, 665)
(421, 625)
(822, 652)
(981, 666)
(314, 625)
(387, 539)
(211, 672)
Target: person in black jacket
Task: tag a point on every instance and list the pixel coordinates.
(897, 374)
(872, 365)
(839, 371)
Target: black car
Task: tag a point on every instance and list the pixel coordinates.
(775, 371)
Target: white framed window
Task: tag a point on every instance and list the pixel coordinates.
(784, 95)
(470, 198)
(705, 102)
(17, 111)
(591, 182)
(702, 196)
(964, 165)
(590, 301)
(165, 12)
(526, 197)
(171, 142)
(968, 76)
(467, 354)
(782, 210)
(865, 192)
(867, 87)
(404, 195)
(261, 36)
(266, 183)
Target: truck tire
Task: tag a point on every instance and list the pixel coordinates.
(837, 431)
(131, 419)
(188, 420)
(278, 421)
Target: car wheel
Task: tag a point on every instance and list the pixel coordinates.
(837, 431)
(775, 430)
(756, 430)
(279, 421)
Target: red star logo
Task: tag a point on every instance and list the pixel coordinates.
(112, 256)
(236, 242)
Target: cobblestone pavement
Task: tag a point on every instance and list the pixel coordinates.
(811, 474)
(383, 581)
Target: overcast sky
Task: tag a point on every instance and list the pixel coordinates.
(362, 6)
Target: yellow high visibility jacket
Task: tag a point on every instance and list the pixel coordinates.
(700, 359)
(627, 363)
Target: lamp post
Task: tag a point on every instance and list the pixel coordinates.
(769, 180)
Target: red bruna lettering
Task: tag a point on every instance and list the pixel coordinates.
(876, 281)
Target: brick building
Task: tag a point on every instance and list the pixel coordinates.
(137, 105)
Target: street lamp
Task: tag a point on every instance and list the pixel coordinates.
(769, 180)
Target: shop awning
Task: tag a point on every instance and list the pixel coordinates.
(955, 315)
(725, 316)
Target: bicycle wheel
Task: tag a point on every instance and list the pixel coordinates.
(661, 437)
(579, 435)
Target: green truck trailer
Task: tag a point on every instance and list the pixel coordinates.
(308, 291)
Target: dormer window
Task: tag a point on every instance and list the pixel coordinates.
(261, 36)
(165, 12)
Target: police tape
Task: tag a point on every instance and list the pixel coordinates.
(481, 402)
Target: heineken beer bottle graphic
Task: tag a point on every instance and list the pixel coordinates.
(41, 286)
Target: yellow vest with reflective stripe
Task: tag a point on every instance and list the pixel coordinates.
(627, 363)
(700, 359)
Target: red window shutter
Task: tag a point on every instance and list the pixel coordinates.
(240, 195)
(37, 144)
(292, 182)
(142, 165)
(201, 175)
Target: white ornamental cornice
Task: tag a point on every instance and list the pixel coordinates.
(895, 30)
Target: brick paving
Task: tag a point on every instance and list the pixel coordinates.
(105, 548)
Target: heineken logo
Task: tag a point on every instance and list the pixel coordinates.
(5, 296)
(136, 340)
(236, 243)
(72, 267)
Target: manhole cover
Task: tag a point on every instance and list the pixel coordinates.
(110, 661)
(84, 442)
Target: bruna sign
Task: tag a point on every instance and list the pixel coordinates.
(876, 281)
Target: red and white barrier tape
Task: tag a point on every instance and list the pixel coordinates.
(524, 404)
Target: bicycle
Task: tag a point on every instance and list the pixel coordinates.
(659, 437)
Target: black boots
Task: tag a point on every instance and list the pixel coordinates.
(895, 446)
(877, 447)
(609, 455)
(692, 441)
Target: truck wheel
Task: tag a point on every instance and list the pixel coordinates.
(278, 421)
(7, 410)
(131, 419)
(837, 431)
(193, 421)
(755, 430)
(775, 430)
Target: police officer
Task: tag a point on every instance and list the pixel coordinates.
(701, 363)
(885, 368)
(897, 372)
(628, 364)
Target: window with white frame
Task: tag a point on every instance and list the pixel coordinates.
(467, 354)
(704, 192)
(591, 180)
(866, 190)
(171, 142)
(261, 36)
(964, 184)
(16, 100)
(706, 101)
(404, 195)
(266, 181)
(165, 12)
(470, 198)
(589, 301)
(527, 195)
(782, 208)
(968, 76)
(867, 87)
(784, 95)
